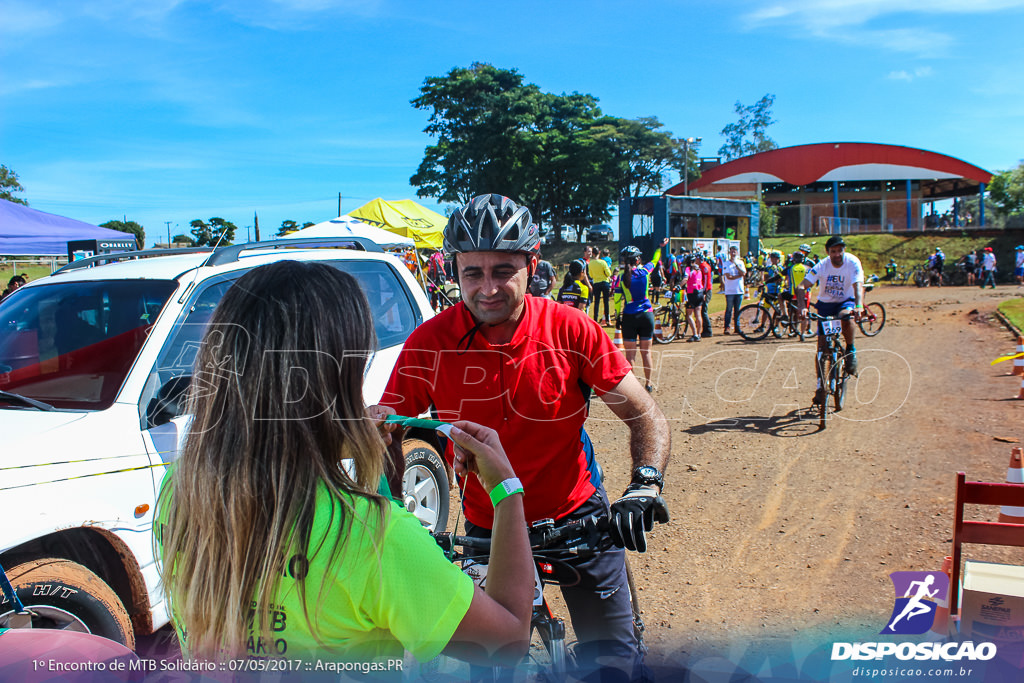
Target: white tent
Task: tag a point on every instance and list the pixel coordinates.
(346, 226)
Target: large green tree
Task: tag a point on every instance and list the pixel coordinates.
(1006, 190)
(208, 234)
(9, 185)
(130, 227)
(570, 168)
(747, 135)
(559, 154)
(643, 154)
(482, 118)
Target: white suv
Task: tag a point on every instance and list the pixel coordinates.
(93, 363)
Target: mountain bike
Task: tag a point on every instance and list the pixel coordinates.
(552, 547)
(921, 275)
(831, 364)
(673, 321)
(753, 276)
(777, 315)
(873, 319)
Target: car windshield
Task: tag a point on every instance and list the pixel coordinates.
(70, 345)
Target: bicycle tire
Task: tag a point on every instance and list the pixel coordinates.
(754, 322)
(778, 325)
(825, 367)
(798, 325)
(669, 324)
(839, 390)
(876, 319)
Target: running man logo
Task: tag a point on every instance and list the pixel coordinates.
(916, 596)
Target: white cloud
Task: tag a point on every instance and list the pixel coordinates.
(855, 21)
(903, 75)
(22, 18)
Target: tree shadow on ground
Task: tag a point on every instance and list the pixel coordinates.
(797, 422)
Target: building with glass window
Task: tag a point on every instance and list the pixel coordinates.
(850, 187)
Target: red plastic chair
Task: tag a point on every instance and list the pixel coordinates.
(984, 533)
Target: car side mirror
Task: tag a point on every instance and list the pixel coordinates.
(169, 402)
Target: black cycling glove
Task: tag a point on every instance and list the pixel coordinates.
(635, 514)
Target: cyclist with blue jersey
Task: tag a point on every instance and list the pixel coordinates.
(773, 275)
(638, 312)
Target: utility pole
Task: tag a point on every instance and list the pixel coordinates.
(168, 224)
(686, 163)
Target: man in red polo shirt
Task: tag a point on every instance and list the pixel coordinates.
(526, 367)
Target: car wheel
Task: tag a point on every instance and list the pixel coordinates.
(67, 596)
(425, 485)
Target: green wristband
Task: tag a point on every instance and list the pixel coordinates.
(503, 490)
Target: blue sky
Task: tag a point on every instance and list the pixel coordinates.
(170, 110)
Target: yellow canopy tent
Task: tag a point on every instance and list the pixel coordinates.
(404, 217)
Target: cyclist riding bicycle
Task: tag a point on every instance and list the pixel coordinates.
(526, 367)
(840, 278)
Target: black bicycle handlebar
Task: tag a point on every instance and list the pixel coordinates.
(586, 535)
(815, 316)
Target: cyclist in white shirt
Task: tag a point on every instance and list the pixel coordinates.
(840, 279)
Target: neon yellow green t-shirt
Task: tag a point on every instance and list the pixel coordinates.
(386, 592)
(598, 270)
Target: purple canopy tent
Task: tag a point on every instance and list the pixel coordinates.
(27, 232)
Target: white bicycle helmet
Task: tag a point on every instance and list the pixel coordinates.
(491, 222)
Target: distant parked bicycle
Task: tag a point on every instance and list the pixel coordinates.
(873, 319)
(672, 318)
(920, 275)
(779, 316)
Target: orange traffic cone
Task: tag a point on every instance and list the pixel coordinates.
(657, 329)
(617, 339)
(1020, 394)
(1008, 514)
(941, 623)
(1018, 363)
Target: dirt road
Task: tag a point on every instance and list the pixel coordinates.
(779, 528)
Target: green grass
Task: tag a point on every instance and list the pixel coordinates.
(875, 250)
(1014, 311)
(34, 272)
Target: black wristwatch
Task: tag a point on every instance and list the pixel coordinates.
(645, 475)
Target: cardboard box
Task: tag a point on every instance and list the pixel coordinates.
(992, 608)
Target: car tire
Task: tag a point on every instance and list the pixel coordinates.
(66, 595)
(425, 485)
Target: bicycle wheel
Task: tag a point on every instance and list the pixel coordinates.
(839, 385)
(825, 367)
(669, 319)
(754, 322)
(920, 278)
(797, 324)
(875, 320)
(780, 324)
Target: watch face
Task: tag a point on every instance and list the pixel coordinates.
(648, 472)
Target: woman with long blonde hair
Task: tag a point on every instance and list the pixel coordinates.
(270, 547)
